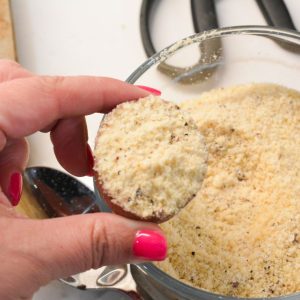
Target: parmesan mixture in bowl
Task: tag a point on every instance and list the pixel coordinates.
(240, 236)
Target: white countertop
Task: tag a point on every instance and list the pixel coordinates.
(100, 37)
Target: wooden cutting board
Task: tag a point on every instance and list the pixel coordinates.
(7, 44)
(28, 205)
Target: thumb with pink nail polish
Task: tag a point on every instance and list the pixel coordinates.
(150, 245)
(70, 245)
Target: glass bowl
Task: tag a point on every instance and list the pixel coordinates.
(189, 67)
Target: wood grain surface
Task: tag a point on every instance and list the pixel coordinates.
(7, 45)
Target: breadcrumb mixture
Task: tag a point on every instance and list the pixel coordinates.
(240, 236)
(151, 157)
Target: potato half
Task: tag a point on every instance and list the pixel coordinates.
(150, 159)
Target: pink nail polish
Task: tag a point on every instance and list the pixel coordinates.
(150, 90)
(15, 188)
(90, 159)
(150, 245)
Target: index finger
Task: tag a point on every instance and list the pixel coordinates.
(30, 104)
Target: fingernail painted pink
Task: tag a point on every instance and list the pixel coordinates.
(150, 90)
(15, 188)
(150, 245)
(90, 159)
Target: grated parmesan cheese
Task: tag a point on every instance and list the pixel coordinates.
(240, 236)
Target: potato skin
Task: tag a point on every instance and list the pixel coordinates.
(119, 210)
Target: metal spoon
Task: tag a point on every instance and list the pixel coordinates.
(49, 193)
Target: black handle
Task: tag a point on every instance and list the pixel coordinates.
(146, 9)
(276, 13)
(204, 15)
(204, 18)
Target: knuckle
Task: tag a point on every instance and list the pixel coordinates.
(6, 64)
(50, 87)
(9, 69)
(100, 241)
(50, 83)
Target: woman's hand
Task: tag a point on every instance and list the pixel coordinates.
(34, 252)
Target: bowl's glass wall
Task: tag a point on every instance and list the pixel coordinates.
(218, 58)
(225, 57)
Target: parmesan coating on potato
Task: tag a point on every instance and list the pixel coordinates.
(150, 158)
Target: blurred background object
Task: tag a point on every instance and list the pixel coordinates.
(7, 45)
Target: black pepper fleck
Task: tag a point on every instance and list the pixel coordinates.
(172, 138)
(138, 193)
(81, 287)
(240, 175)
(235, 284)
(295, 240)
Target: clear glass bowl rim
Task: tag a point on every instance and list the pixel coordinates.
(287, 35)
